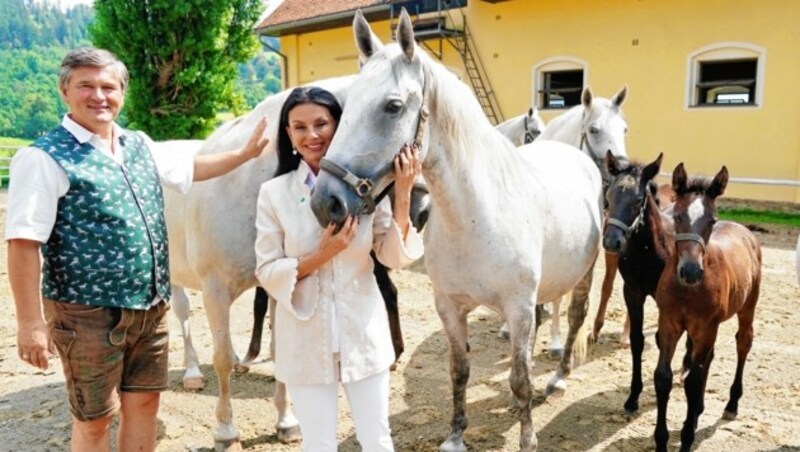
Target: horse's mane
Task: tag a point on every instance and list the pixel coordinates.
(472, 134)
(698, 184)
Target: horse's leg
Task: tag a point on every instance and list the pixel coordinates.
(634, 302)
(744, 341)
(556, 347)
(260, 303)
(192, 378)
(576, 339)
(217, 302)
(694, 386)
(612, 261)
(454, 321)
(389, 294)
(521, 318)
(686, 364)
(666, 339)
(287, 427)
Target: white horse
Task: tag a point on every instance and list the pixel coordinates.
(509, 227)
(596, 125)
(211, 236)
(523, 129)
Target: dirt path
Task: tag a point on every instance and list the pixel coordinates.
(34, 415)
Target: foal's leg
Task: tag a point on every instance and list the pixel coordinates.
(260, 303)
(192, 378)
(612, 261)
(744, 341)
(521, 318)
(389, 294)
(694, 386)
(634, 302)
(667, 339)
(576, 339)
(454, 321)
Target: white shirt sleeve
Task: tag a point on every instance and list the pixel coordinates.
(174, 161)
(37, 182)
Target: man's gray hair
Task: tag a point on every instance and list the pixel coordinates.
(91, 57)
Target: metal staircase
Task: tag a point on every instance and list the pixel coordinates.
(439, 25)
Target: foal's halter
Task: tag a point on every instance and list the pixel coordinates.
(365, 187)
(628, 230)
(691, 237)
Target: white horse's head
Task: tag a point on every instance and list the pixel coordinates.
(603, 125)
(534, 125)
(373, 126)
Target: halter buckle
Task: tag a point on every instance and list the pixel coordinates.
(364, 187)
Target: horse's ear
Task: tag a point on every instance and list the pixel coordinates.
(530, 112)
(717, 187)
(679, 179)
(651, 170)
(612, 164)
(619, 98)
(366, 41)
(586, 97)
(405, 35)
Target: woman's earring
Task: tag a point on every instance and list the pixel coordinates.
(294, 151)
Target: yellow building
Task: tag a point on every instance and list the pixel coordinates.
(711, 82)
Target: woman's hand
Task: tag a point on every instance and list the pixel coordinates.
(331, 244)
(407, 166)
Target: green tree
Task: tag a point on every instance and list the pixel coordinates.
(182, 57)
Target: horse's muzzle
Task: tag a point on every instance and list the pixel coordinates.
(690, 273)
(613, 241)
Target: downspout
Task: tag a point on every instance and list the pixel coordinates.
(284, 61)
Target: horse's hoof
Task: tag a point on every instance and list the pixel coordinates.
(228, 445)
(194, 383)
(729, 415)
(393, 367)
(242, 368)
(631, 407)
(556, 388)
(288, 435)
(503, 334)
(453, 445)
(624, 341)
(556, 354)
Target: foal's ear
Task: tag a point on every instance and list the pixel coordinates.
(586, 97)
(612, 164)
(651, 170)
(530, 112)
(366, 41)
(405, 35)
(679, 179)
(717, 187)
(619, 98)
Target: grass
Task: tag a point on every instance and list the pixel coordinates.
(743, 215)
(5, 155)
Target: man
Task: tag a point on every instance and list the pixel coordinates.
(88, 197)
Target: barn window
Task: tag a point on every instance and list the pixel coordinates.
(558, 83)
(726, 75)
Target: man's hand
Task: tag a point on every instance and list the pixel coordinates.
(34, 343)
(258, 140)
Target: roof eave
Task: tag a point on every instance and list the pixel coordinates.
(327, 22)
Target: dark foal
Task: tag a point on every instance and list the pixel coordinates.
(634, 226)
(713, 273)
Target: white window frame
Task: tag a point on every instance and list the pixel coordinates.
(557, 63)
(724, 51)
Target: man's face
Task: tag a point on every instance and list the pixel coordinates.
(94, 97)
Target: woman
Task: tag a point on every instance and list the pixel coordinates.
(330, 324)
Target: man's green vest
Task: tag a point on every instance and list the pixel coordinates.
(109, 242)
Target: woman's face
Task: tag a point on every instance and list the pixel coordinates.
(311, 129)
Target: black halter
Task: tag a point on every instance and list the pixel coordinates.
(691, 237)
(366, 187)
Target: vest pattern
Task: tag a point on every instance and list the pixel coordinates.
(109, 242)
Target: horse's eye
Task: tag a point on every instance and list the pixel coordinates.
(394, 106)
(594, 129)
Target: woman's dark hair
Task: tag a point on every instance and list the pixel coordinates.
(287, 160)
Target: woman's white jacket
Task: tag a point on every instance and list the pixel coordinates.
(343, 290)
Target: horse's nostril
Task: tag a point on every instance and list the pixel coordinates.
(337, 210)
